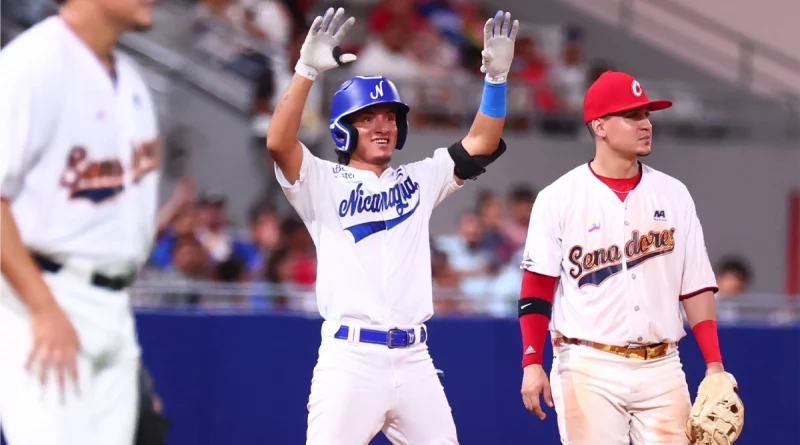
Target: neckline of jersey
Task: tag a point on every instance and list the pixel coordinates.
(624, 182)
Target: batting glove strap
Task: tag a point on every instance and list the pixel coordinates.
(306, 71)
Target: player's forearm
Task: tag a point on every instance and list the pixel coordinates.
(701, 315)
(18, 266)
(285, 123)
(700, 308)
(534, 310)
(487, 128)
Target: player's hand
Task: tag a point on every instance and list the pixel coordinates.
(55, 346)
(499, 36)
(534, 384)
(320, 51)
(714, 368)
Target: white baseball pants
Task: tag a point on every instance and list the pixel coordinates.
(603, 398)
(103, 409)
(360, 389)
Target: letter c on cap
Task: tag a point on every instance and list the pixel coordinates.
(636, 88)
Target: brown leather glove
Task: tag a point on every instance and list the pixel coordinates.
(717, 416)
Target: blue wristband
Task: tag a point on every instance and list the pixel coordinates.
(493, 103)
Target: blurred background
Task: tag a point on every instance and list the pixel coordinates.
(227, 317)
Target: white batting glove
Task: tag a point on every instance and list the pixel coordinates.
(499, 36)
(320, 51)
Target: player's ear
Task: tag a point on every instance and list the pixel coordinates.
(598, 127)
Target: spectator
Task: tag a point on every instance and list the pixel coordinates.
(211, 227)
(388, 11)
(269, 20)
(229, 272)
(190, 265)
(279, 271)
(263, 238)
(182, 225)
(532, 68)
(444, 18)
(472, 263)
(733, 277)
(570, 71)
(445, 284)
(388, 55)
(226, 33)
(490, 211)
(301, 250)
(175, 218)
(520, 202)
(506, 287)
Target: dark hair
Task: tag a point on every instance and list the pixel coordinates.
(291, 225)
(485, 196)
(258, 209)
(272, 269)
(522, 193)
(230, 270)
(736, 266)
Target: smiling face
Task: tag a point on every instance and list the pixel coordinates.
(628, 133)
(377, 134)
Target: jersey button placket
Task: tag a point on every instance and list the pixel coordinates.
(631, 291)
(386, 240)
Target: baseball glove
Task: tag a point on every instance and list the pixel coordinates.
(717, 416)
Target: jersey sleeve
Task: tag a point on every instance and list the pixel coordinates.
(28, 113)
(439, 181)
(698, 275)
(309, 185)
(542, 253)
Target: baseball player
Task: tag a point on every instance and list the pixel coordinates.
(370, 224)
(79, 179)
(613, 248)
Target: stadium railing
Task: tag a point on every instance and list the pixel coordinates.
(209, 297)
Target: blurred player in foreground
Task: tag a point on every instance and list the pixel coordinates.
(621, 245)
(79, 179)
(370, 224)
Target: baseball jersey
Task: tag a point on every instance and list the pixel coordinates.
(80, 150)
(372, 236)
(623, 265)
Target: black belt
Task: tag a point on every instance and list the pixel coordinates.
(113, 283)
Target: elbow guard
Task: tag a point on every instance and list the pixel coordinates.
(470, 167)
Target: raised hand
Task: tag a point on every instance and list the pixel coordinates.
(499, 36)
(320, 51)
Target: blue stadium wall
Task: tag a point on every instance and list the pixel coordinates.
(244, 379)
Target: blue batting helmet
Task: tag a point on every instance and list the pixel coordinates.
(356, 94)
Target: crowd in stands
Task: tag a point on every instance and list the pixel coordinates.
(201, 261)
(475, 269)
(430, 48)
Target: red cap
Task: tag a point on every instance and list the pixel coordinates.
(615, 91)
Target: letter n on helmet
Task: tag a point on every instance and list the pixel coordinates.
(356, 94)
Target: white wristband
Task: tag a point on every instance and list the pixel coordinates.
(306, 71)
(503, 78)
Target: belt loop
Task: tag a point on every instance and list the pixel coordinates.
(352, 334)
